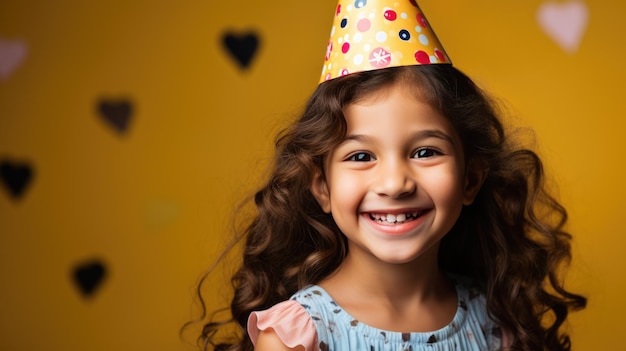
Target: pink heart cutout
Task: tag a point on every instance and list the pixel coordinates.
(12, 54)
(564, 22)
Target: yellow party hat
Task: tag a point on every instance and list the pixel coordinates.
(375, 34)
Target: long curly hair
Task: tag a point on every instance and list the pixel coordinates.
(511, 241)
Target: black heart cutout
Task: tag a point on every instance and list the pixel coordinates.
(116, 112)
(241, 47)
(16, 177)
(89, 276)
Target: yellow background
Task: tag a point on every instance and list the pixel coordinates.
(154, 203)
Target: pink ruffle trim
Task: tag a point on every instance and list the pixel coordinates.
(289, 320)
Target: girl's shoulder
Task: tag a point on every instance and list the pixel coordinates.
(289, 320)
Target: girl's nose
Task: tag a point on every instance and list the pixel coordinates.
(395, 180)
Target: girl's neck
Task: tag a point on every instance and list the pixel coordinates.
(410, 297)
(367, 276)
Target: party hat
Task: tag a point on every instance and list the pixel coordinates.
(375, 34)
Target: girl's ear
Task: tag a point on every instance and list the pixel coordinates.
(474, 178)
(319, 189)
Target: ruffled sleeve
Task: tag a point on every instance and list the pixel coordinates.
(289, 320)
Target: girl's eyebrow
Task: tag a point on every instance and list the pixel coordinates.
(422, 134)
(434, 133)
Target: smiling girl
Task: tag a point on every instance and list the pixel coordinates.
(399, 216)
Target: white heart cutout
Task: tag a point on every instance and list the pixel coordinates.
(12, 54)
(564, 22)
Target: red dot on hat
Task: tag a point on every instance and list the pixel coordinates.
(422, 57)
(345, 47)
(440, 55)
(338, 9)
(422, 20)
(390, 15)
(363, 25)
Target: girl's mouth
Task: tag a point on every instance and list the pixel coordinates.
(397, 218)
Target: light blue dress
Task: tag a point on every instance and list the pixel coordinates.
(470, 330)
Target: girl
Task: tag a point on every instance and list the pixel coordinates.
(399, 215)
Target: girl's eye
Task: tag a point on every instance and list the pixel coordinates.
(361, 157)
(426, 152)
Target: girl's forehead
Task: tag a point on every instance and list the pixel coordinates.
(396, 104)
(396, 97)
(408, 90)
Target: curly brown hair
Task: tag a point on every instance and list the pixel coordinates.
(511, 241)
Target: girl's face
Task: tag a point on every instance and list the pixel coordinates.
(396, 185)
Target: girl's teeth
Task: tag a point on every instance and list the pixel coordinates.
(391, 218)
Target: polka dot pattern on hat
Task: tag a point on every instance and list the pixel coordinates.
(375, 34)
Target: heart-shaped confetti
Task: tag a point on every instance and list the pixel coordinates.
(241, 47)
(564, 22)
(12, 54)
(89, 276)
(16, 176)
(117, 113)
